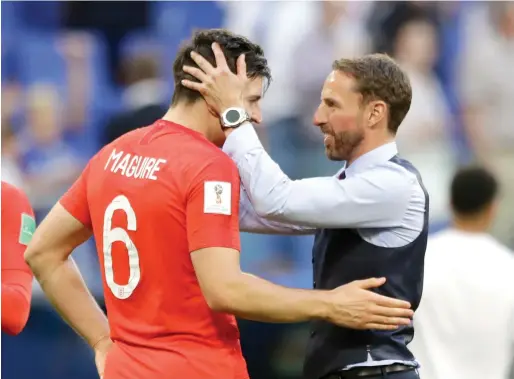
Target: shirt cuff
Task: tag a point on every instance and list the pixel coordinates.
(241, 141)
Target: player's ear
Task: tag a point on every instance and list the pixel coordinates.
(212, 111)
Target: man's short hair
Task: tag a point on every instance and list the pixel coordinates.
(472, 190)
(379, 77)
(233, 46)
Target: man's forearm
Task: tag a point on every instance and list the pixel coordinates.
(257, 299)
(66, 290)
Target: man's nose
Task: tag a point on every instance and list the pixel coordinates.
(318, 118)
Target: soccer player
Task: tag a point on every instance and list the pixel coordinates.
(18, 225)
(162, 202)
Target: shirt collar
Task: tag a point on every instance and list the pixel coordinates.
(380, 154)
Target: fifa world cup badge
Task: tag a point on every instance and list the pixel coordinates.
(217, 198)
(219, 190)
(27, 229)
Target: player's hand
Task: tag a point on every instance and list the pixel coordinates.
(101, 350)
(219, 86)
(355, 306)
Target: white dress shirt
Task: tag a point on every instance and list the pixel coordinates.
(381, 200)
(465, 323)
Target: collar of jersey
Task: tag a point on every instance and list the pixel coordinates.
(168, 124)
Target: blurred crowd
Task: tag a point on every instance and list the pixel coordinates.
(76, 75)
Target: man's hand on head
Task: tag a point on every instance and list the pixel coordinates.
(220, 87)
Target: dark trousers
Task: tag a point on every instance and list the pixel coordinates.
(411, 374)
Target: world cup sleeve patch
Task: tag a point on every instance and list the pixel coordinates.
(27, 229)
(217, 198)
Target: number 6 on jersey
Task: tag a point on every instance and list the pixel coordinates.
(118, 234)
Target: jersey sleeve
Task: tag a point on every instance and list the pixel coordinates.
(213, 206)
(75, 200)
(18, 226)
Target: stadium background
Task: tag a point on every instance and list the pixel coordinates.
(73, 73)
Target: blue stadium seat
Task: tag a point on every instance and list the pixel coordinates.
(40, 15)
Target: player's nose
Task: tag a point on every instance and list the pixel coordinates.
(256, 117)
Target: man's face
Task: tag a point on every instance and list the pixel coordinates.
(340, 116)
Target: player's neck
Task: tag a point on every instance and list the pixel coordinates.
(192, 116)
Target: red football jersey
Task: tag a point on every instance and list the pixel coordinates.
(151, 197)
(18, 225)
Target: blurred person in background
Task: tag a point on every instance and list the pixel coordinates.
(425, 138)
(11, 170)
(143, 98)
(487, 91)
(18, 225)
(76, 49)
(465, 322)
(388, 17)
(49, 163)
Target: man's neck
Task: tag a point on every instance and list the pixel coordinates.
(193, 116)
(366, 146)
(475, 225)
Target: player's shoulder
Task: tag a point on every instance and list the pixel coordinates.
(15, 198)
(208, 152)
(129, 137)
(120, 143)
(12, 191)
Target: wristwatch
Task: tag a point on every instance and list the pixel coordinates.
(234, 117)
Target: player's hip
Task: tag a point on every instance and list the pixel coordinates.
(203, 363)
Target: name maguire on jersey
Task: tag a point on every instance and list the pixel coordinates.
(133, 166)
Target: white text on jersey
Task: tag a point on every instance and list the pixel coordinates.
(133, 166)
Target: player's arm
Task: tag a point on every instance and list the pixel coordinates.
(213, 235)
(48, 255)
(18, 225)
(375, 198)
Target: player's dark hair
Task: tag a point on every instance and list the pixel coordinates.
(473, 189)
(233, 46)
(379, 77)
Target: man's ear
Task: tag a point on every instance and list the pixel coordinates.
(377, 112)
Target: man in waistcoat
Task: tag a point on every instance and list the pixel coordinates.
(370, 219)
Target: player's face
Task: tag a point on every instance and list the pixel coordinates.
(252, 98)
(340, 116)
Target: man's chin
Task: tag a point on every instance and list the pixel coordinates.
(332, 155)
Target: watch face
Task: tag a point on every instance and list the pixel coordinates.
(232, 116)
